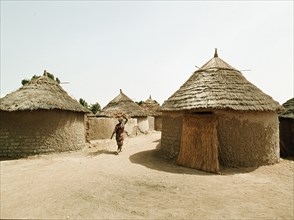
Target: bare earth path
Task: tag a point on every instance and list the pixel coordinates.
(138, 184)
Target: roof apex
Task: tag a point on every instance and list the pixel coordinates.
(216, 63)
(122, 104)
(217, 85)
(41, 93)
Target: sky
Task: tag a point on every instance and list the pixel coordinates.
(145, 48)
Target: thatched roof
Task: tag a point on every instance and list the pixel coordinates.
(217, 85)
(151, 106)
(289, 109)
(41, 93)
(122, 104)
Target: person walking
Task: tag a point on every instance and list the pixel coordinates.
(119, 133)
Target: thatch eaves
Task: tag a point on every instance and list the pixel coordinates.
(41, 93)
(151, 106)
(120, 105)
(217, 85)
(288, 109)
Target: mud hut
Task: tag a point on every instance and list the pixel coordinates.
(287, 129)
(102, 125)
(218, 118)
(38, 118)
(154, 115)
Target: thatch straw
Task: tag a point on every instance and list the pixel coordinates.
(41, 93)
(217, 85)
(289, 109)
(152, 107)
(120, 105)
(199, 144)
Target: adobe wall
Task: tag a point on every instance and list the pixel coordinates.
(248, 138)
(143, 124)
(158, 123)
(171, 134)
(24, 133)
(102, 128)
(151, 123)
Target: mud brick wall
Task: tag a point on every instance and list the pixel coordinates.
(248, 138)
(158, 123)
(24, 133)
(151, 121)
(171, 134)
(143, 124)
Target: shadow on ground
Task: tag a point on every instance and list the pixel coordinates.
(153, 159)
(99, 152)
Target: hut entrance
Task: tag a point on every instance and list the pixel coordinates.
(199, 144)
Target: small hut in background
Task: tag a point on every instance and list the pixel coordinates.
(287, 129)
(154, 115)
(101, 126)
(38, 118)
(218, 118)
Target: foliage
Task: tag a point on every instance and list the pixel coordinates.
(51, 76)
(95, 108)
(25, 81)
(83, 102)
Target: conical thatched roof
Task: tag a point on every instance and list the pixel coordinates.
(41, 93)
(289, 109)
(122, 104)
(217, 85)
(151, 106)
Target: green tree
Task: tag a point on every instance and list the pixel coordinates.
(83, 102)
(95, 108)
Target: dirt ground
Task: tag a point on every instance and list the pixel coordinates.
(94, 183)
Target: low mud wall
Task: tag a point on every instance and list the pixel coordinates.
(151, 123)
(143, 124)
(102, 128)
(158, 123)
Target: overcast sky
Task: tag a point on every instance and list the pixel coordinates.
(144, 47)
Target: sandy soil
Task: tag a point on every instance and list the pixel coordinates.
(96, 184)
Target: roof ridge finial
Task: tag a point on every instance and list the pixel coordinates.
(120, 90)
(150, 97)
(215, 52)
(45, 73)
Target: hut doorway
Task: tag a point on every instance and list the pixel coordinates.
(199, 144)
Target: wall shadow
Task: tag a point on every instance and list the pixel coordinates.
(157, 141)
(291, 158)
(236, 170)
(154, 159)
(9, 158)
